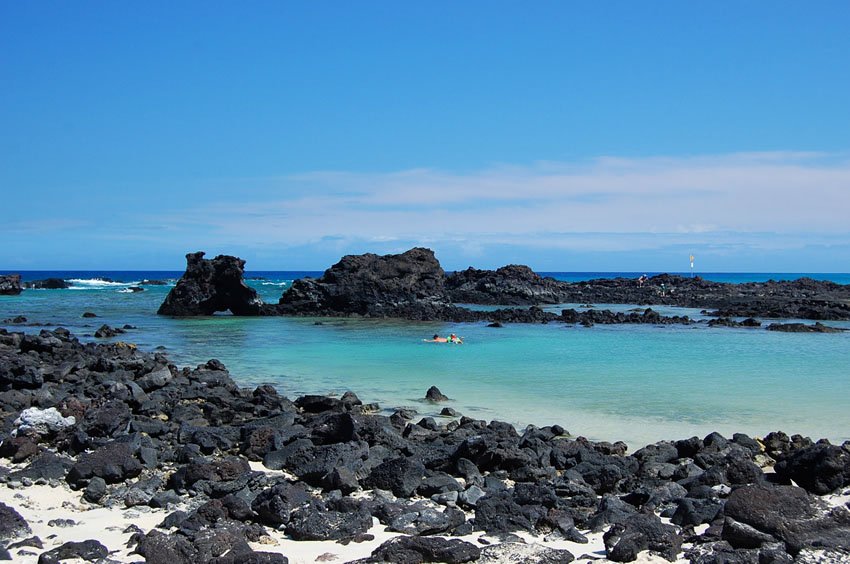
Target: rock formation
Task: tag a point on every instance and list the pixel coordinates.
(413, 285)
(509, 285)
(47, 284)
(209, 286)
(10, 284)
(380, 286)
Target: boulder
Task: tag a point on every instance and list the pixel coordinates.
(313, 463)
(209, 286)
(107, 420)
(227, 469)
(316, 522)
(722, 552)
(499, 513)
(88, 550)
(161, 548)
(623, 541)
(12, 525)
(434, 394)
(19, 448)
(522, 553)
(114, 462)
(42, 421)
(275, 505)
(820, 468)
(106, 332)
(245, 555)
(402, 476)
(44, 466)
(758, 515)
(413, 550)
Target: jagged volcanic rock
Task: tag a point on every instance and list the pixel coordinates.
(209, 286)
(412, 285)
(10, 284)
(509, 285)
(369, 284)
(47, 284)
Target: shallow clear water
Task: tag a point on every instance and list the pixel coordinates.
(639, 384)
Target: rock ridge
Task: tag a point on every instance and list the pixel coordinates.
(412, 285)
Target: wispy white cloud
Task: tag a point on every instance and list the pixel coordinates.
(787, 191)
(759, 202)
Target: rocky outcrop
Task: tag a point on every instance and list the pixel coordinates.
(210, 286)
(798, 299)
(412, 285)
(47, 284)
(371, 285)
(10, 284)
(509, 285)
(590, 317)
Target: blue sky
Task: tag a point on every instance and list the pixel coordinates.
(565, 135)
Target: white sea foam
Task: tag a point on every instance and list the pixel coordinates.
(94, 283)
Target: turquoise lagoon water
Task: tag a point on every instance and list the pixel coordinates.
(634, 383)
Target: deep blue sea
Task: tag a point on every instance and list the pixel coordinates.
(633, 383)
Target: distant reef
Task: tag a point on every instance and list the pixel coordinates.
(412, 285)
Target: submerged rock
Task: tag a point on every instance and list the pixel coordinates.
(434, 394)
(803, 328)
(106, 332)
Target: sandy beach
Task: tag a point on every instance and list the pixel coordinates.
(57, 515)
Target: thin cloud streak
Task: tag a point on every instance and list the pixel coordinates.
(778, 192)
(740, 203)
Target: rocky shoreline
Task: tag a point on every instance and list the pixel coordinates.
(231, 468)
(413, 286)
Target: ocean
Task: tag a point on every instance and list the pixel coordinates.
(639, 384)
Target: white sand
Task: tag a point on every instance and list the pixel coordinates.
(39, 504)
